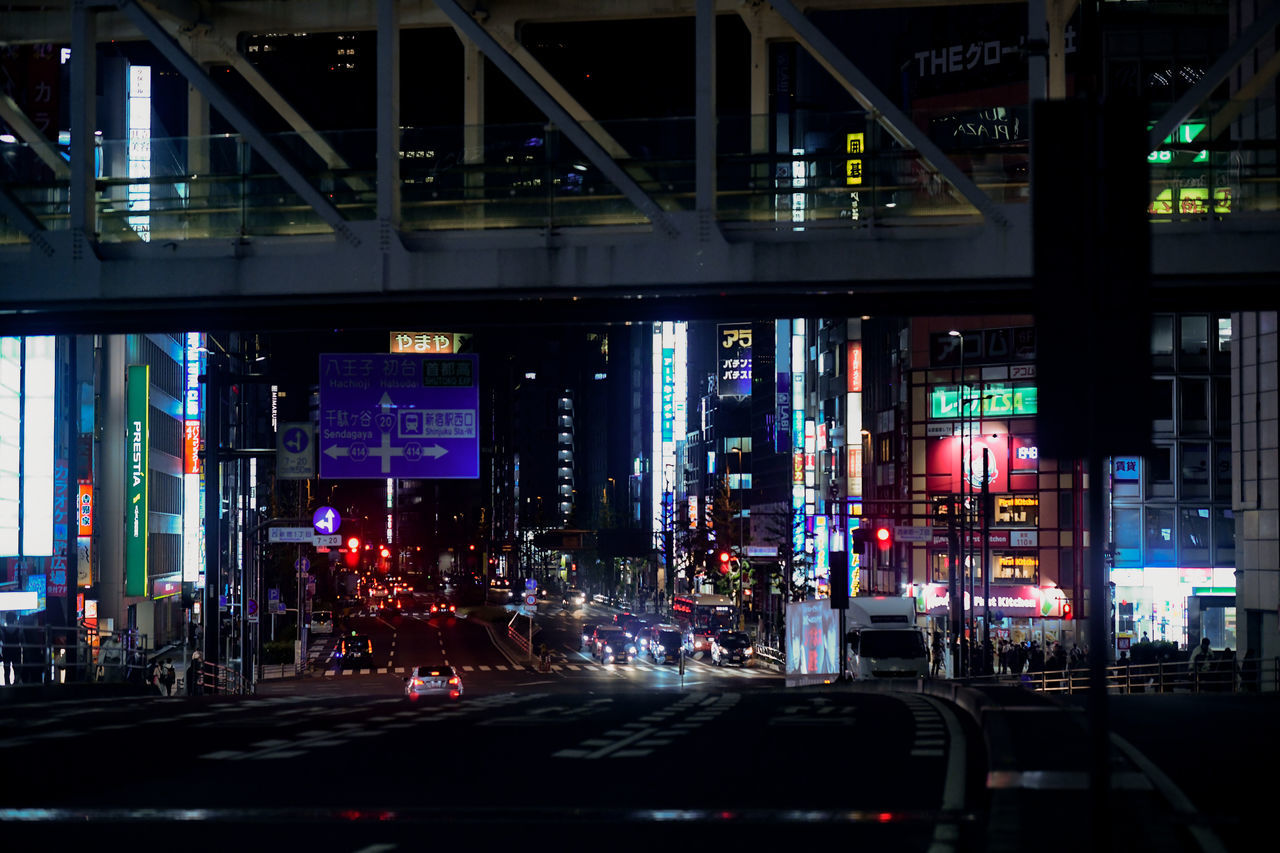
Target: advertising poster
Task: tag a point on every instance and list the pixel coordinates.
(813, 644)
(734, 359)
(138, 446)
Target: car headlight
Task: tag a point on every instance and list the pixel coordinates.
(748, 650)
(660, 649)
(608, 650)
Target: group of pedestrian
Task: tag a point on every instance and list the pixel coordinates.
(162, 676)
(23, 658)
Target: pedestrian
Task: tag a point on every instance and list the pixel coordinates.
(937, 653)
(195, 683)
(11, 652)
(1199, 660)
(168, 676)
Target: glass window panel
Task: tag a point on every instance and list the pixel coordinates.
(1193, 532)
(1159, 540)
(1158, 466)
(1222, 470)
(1128, 536)
(1162, 334)
(1224, 537)
(1193, 470)
(1224, 334)
(1194, 338)
(1162, 404)
(1194, 405)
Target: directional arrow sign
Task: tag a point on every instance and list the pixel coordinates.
(326, 520)
(403, 415)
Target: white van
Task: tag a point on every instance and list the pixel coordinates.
(322, 622)
(884, 641)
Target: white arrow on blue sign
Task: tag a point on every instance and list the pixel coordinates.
(399, 415)
(326, 520)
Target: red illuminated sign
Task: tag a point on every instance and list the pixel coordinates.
(191, 461)
(854, 365)
(952, 460)
(84, 508)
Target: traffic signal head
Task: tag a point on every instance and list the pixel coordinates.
(724, 562)
(884, 538)
(1067, 611)
(353, 543)
(384, 553)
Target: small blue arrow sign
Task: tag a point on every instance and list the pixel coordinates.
(326, 520)
(296, 440)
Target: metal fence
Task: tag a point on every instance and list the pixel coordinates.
(51, 654)
(1237, 675)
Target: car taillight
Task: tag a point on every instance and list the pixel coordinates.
(453, 680)
(417, 682)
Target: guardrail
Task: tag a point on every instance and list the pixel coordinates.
(533, 179)
(1240, 675)
(268, 671)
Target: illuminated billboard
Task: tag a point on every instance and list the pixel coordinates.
(137, 457)
(733, 378)
(669, 408)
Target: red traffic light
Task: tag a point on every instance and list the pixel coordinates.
(385, 553)
(724, 562)
(884, 538)
(1067, 611)
(353, 543)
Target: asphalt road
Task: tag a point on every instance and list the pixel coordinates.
(616, 756)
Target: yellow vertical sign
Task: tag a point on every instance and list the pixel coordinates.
(854, 143)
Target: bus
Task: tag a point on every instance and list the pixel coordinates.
(701, 616)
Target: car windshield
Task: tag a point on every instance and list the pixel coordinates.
(735, 641)
(670, 639)
(435, 671)
(891, 644)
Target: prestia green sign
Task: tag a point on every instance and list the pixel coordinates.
(138, 443)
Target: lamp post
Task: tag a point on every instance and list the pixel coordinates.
(963, 505)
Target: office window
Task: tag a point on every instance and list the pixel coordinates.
(1160, 542)
(1193, 531)
(1222, 471)
(1194, 406)
(1193, 470)
(1158, 467)
(1193, 341)
(1162, 405)
(1162, 341)
(1224, 537)
(1221, 406)
(1128, 536)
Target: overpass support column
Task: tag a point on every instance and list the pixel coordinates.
(473, 131)
(388, 130)
(84, 76)
(705, 121)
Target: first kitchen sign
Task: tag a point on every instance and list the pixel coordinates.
(399, 415)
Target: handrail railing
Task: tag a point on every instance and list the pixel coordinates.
(1236, 675)
(530, 178)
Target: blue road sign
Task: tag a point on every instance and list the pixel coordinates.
(326, 520)
(403, 415)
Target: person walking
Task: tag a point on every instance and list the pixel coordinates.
(11, 653)
(194, 677)
(168, 676)
(937, 653)
(1199, 660)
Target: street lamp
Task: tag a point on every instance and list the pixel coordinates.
(964, 509)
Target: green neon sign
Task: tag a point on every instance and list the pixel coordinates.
(137, 459)
(1183, 134)
(998, 400)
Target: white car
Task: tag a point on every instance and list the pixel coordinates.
(442, 679)
(322, 622)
